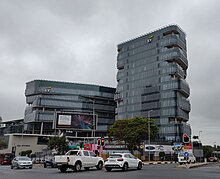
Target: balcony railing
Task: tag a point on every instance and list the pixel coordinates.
(175, 55)
(184, 87)
(120, 65)
(173, 39)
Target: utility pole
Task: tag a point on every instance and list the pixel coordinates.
(148, 116)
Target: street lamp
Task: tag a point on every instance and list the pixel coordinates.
(199, 136)
(94, 118)
(148, 116)
(214, 145)
(94, 122)
(200, 145)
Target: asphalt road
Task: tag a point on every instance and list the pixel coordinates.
(165, 171)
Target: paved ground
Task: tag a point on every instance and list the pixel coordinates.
(160, 171)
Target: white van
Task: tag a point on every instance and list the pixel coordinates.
(183, 160)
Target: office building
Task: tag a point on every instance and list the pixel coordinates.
(46, 98)
(151, 78)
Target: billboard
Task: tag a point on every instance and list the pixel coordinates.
(77, 121)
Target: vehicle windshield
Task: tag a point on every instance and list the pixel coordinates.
(72, 153)
(115, 156)
(181, 155)
(24, 158)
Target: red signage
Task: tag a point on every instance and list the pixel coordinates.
(188, 146)
(88, 147)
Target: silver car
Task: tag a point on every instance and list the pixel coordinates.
(21, 162)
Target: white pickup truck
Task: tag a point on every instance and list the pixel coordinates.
(76, 159)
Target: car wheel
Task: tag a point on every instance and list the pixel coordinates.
(45, 165)
(77, 166)
(108, 169)
(63, 169)
(99, 166)
(139, 166)
(30, 167)
(125, 167)
(12, 167)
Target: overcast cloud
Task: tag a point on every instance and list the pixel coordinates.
(76, 40)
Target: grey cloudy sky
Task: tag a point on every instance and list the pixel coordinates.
(75, 41)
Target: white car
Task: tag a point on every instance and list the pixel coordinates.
(76, 159)
(21, 162)
(122, 161)
(186, 159)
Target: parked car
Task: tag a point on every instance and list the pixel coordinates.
(21, 162)
(50, 163)
(5, 159)
(122, 161)
(76, 159)
(182, 159)
(212, 159)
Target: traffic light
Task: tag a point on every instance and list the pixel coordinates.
(99, 142)
(195, 137)
(81, 145)
(102, 142)
(185, 138)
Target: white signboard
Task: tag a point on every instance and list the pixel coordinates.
(64, 120)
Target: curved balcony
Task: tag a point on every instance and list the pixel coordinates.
(178, 72)
(172, 40)
(184, 88)
(173, 69)
(117, 97)
(120, 65)
(184, 104)
(175, 55)
(179, 85)
(120, 75)
(183, 114)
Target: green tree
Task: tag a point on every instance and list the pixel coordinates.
(59, 144)
(207, 149)
(133, 131)
(25, 153)
(3, 145)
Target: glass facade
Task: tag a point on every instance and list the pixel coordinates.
(152, 81)
(45, 98)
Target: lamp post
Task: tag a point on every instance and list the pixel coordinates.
(93, 116)
(94, 120)
(214, 145)
(148, 116)
(199, 136)
(200, 146)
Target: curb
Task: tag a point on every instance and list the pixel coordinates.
(155, 163)
(38, 165)
(188, 166)
(196, 165)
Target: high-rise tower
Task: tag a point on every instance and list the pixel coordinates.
(152, 81)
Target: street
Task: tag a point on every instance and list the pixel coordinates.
(165, 171)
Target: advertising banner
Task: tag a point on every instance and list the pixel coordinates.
(77, 121)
